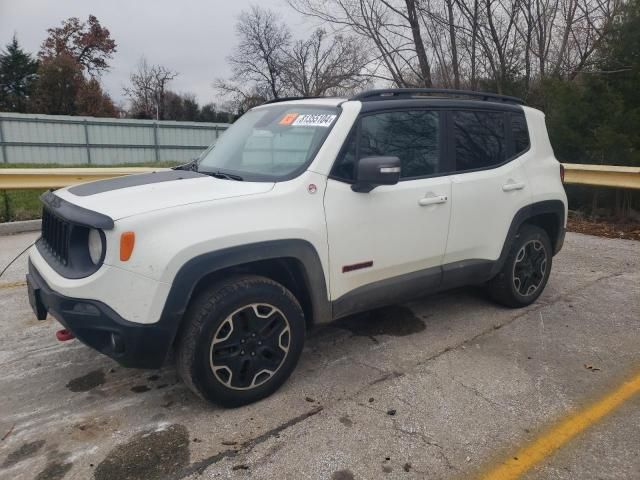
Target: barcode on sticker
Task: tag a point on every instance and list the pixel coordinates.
(314, 120)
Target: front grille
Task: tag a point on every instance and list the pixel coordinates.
(55, 234)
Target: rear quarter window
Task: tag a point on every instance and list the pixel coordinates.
(520, 133)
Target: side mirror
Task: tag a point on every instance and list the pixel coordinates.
(375, 171)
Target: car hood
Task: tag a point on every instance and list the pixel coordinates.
(135, 194)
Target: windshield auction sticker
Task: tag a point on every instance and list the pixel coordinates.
(314, 120)
(288, 118)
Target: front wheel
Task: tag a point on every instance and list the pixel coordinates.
(525, 271)
(241, 340)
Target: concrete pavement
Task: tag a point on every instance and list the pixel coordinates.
(446, 387)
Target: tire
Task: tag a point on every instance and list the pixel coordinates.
(525, 271)
(241, 340)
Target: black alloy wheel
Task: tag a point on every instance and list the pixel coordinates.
(241, 339)
(525, 271)
(250, 346)
(529, 268)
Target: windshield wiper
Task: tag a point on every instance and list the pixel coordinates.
(190, 166)
(226, 176)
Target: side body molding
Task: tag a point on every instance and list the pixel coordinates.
(200, 266)
(451, 275)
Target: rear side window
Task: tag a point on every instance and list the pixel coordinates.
(520, 133)
(412, 136)
(479, 139)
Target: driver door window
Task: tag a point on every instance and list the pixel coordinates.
(413, 136)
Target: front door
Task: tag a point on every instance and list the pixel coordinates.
(383, 243)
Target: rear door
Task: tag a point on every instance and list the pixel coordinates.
(488, 181)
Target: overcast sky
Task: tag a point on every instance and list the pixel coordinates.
(192, 37)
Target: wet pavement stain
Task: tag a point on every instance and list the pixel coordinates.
(342, 475)
(87, 382)
(91, 429)
(149, 455)
(140, 389)
(346, 421)
(25, 451)
(395, 321)
(54, 471)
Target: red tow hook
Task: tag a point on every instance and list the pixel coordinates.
(64, 335)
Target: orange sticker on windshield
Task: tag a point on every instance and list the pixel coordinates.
(288, 119)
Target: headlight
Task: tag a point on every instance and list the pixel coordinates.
(96, 246)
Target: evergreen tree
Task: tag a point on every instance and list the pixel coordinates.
(596, 117)
(17, 74)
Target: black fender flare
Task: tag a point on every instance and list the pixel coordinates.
(195, 269)
(555, 207)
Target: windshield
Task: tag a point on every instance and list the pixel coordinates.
(270, 143)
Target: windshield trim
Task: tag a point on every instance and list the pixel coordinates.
(259, 177)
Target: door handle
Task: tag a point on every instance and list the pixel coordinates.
(508, 187)
(423, 202)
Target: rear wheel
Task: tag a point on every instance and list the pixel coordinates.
(526, 269)
(241, 340)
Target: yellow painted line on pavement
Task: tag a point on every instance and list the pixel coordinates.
(12, 285)
(558, 435)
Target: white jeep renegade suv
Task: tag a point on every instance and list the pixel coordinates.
(305, 211)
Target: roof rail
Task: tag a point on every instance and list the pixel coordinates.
(396, 93)
(286, 99)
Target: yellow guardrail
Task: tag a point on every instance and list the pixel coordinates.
(602, 175)
(43, 178)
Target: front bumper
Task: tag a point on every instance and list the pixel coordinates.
(98, 326)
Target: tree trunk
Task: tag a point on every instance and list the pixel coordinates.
(594, 204)
(7, 206)
(527, 53)
(423, 61)
(474, 43)
(454, 46)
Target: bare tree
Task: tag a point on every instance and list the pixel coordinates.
(257, 62)
(392, 29)
(268, 63)
(148, 90)
(410, 14)
(501, 44)
(325, 65)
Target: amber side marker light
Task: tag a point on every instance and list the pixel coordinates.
(127, 241)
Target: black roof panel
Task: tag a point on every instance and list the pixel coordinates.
(437, 103)
(398, 93)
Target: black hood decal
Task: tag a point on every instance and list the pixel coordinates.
(127, 181)
(74, 213)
